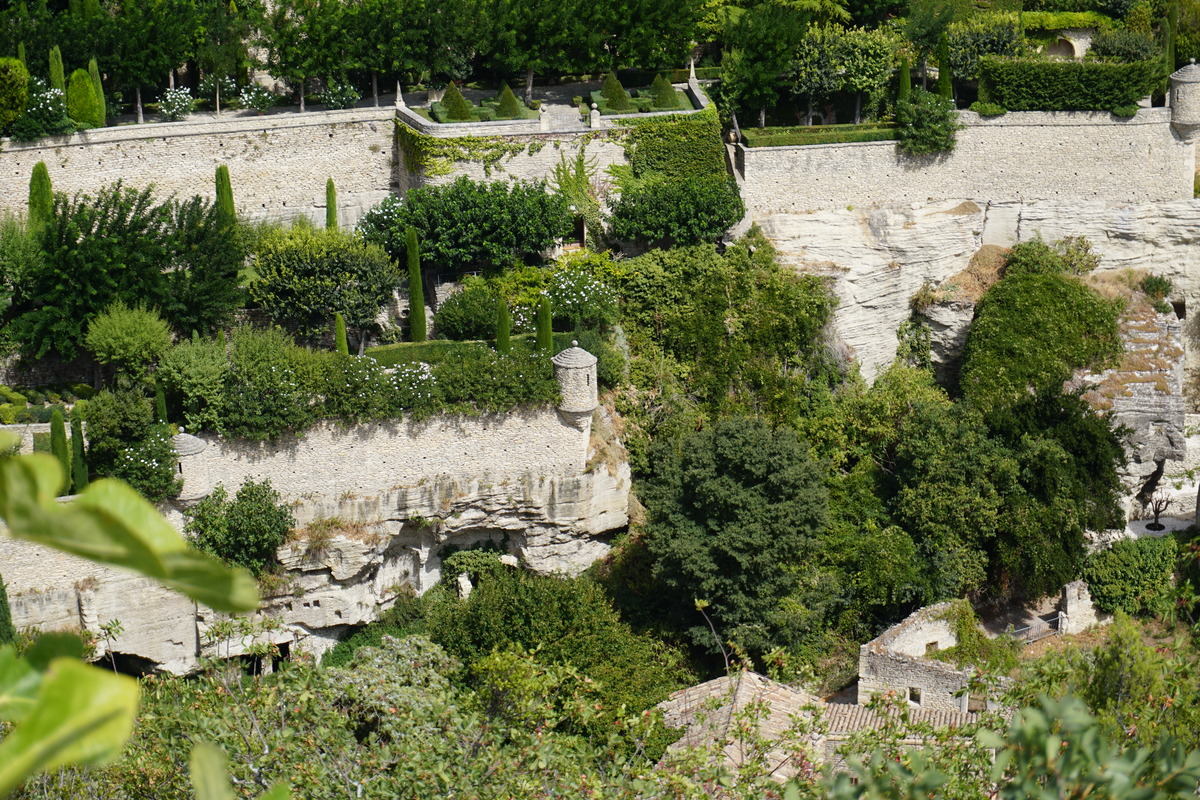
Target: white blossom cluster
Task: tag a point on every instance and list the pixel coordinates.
(175, 104)
(44, 100)
(579, 296)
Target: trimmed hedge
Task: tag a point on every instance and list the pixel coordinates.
(1062, 20)
(1029, 85)
(820, 134)
(1133, 576)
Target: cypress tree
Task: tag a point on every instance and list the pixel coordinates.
(21, 54)
(416, 289)
(82, 104)
(94, 71)
(225, 209)
(945, 85)
(455, 105)
(41, 197)
(664, 93)
(545, 331)
(614, 93)
(509, 107)
(58, 76)
(339, 334)
(160, 402)
(503, 326)
(58, 446)
(8, 634)
(904, 90)
(330, 204)
(78, 463)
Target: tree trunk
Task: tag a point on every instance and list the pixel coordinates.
(218, 96)
(808, 112)
(762, 117)
(528, 86)
(171, 79)
(857, 108)
(375, 87)
(925, 73)
(138, 102)
(362, 340)
(302, 95)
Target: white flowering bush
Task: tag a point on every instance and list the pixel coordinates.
(45, 114)
(380, 219)
(339, 94)
(175, 104)
(414, 387)
(581, 299)
(258, 98)
(208, 89)
(358, 389)
(149, 465)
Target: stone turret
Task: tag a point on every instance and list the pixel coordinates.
(1185, 100)
(187, 447)
(575, 371)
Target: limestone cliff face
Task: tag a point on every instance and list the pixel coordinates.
(350, 560)
(880, 257)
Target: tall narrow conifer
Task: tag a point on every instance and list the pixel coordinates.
(945, 82)
(904, 90)
(160, 402)
(225, 210)
(21, 54)
(545, 330)
(8, 634)
(58, 76)
(503, 326)
(41, 197)
(331, 217)
(58, 446)
(82, 104)
(416, 289)
(339, 334)
(94, 71)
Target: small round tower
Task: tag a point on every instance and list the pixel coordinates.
(187, 447)
(1185, 100)
(575, 371)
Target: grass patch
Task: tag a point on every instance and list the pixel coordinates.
(819, 134)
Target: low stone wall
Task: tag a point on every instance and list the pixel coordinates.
(278, 163)
(1024, 156)
(331, 461)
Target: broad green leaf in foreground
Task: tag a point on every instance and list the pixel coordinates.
(112, 524)
(210, 778)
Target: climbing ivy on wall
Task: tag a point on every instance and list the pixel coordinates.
(433, 156)
(683, 145)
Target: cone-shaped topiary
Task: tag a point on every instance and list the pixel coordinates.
(79, 471)
(59, 448)
(904, 90)
(8, 634)
(330, 204)
(509, 107)
(503, 326)
(94, 71)
(226, 212)
(416, 289)
(945, 84)
(339, 334)
(58, 77)
(664, 93)
(456, 106)
(41, 197)
(545, 331)
(82, 103)
(614, 93)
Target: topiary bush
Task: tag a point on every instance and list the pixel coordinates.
(130, 338)
(1123, 45)
(1038, 85)
(245, 531)
(665, 96)
(677, 211)
(455, 106)
(83, 105)
(1133, 576)
(14, 90)
(510, 107)
(614, 94)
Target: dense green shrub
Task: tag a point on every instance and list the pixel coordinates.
(468, 225)
(582, 298)
(665, 95)
(149, 465)
(307, 275)
(614, 94)
(1133, 576)
(339, 94)
(988, 109)
(130, 338)
(269, 387)
(193, 374)
(1063, 20)
(356, 389)
(1156, 287)
(1006, 357)
(1033, 85)
(123, 442)
(245, 531)
(570, 621)
(1070, 256)
(676, 146)
(928, 124)
(82, 104)
(980, 35)
(1123, 45)
(478, 379)
(545, 325)
(8, 634)
(14, 90)
(468, 314)
(677, 211)
(45, 114)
